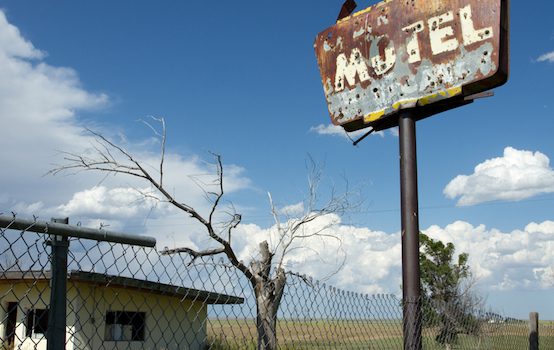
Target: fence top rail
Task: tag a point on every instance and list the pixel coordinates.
(52, 228)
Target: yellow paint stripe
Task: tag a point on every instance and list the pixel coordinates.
(355, 14)
(454, 91)
(361, 12)
(423, 101)
(401, 103)
(371, 117)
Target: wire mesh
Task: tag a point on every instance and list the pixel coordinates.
(126, 297)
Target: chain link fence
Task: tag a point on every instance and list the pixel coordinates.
(124, 296)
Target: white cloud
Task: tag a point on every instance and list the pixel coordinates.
(13, 44)
(547, 57)
(39, 108)
(373, 258)
(372, 262)
(28, 209)
(545, 276)
(546, 227)
(520, 259)
(515, 176)
(137, 207)
(292, 210)
(99, 201)
(335, 130)
(329, 129)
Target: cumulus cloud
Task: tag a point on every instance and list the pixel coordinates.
(13, 44)
(335, 130)
(349, 257)
(545, 275)
(136, 207)
(544, 228)
(369, 261)
(352, 258)
(292, 210)
(329, 129)
(40, 106)
(34, 94)
(520, 259)
(515, 176)
(547, 57)
(99, 201)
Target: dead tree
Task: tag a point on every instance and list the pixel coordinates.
(266, 273)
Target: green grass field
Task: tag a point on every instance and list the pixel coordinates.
(330, 334)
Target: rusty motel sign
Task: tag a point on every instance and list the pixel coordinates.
(407, 54)
(400, 61)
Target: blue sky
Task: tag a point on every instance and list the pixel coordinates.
(241, 79)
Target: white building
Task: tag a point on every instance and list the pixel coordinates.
(105, 312)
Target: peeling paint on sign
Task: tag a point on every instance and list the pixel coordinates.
(403, 54)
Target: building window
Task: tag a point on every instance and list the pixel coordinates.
(125, 326)
(11, 323)
(37, 323)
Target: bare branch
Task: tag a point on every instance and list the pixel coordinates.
(296, 232)
(162, 137)
(236, 221)
(109, 163)
(220, 182)
(281, 234)
(148, 195)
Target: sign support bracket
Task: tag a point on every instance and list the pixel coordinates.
(355, 143)
(411, 285)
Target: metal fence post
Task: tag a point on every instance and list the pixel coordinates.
(534, 331)
(56, 332)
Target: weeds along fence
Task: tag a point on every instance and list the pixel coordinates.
(67, 287)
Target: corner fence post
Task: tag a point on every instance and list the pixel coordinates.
(534, 331)
(411, 285)
(56, 331)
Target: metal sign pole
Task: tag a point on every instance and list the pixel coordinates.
(411, 289)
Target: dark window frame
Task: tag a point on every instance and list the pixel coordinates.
(36, 323)
(135, 319)
(10, 319)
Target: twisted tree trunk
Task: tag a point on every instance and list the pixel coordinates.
(268, 292)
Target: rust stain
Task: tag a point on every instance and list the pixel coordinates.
(401, 54)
